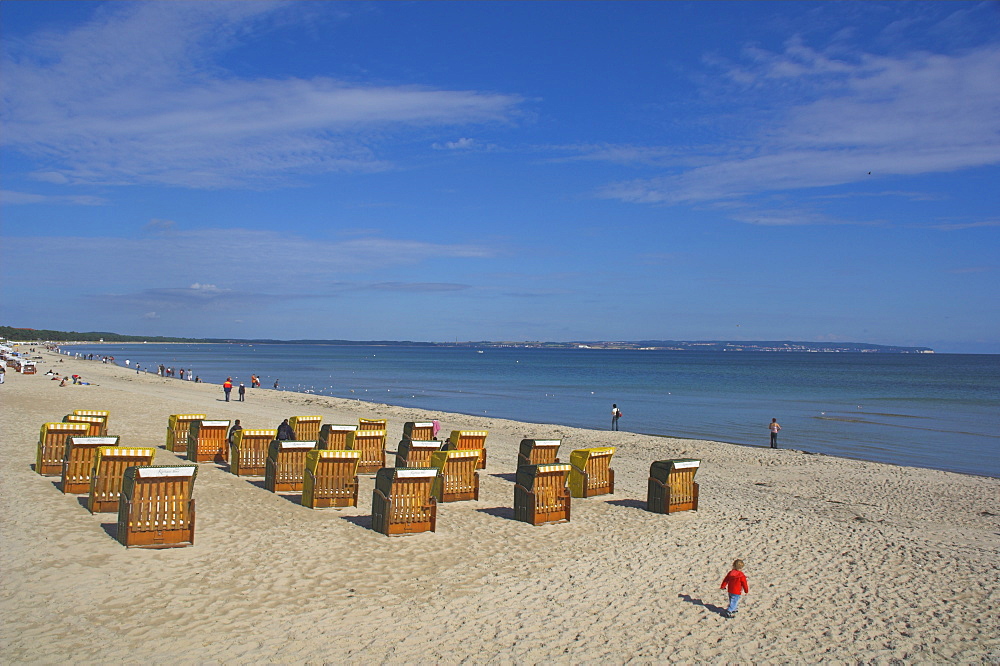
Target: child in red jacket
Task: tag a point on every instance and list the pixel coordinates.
(736, 582)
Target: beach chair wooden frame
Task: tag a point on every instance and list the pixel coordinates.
(306, 428)
(540, 494)
(208, 441)
(178, 429)
(538, 452)
(592, 474)
(418, 430)
(333, 436)
(402, 501)
(110, 463)
(331, 478)
(672, 487)
(78, 462)
(52, 445)
(457, 478)
(98, 424)
(248, 452)
(286, 465)
(155, 509)
(373, 424)
(105, 413)
(416, 452)
(463, 440)
(371, 443)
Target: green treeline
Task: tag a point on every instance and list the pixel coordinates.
(41, 334)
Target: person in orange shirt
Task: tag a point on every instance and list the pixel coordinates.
(736, 583)
(227, 386)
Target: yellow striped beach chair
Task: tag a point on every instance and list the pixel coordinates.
(110, 463)
(78, 462)
(331, 478)
(462, 440)
(155, 509)
(52, 445)
(248, 452)
(371, 443)
(306, 428)
(457, 478)
(208, 441)
(540, 494)
(332, 436)
(402, 501)
(538, 451)
(286, 465)
(178, 429)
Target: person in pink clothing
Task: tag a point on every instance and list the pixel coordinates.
(736, 583)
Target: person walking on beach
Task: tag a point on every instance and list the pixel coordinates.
(227, 386)
(242, 391)
(736, 584)
(232, 431)
(285, 432)
(774, 428)
(615, 415)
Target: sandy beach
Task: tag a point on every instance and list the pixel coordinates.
(848, 561)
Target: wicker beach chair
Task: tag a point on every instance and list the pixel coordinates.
(248, 452)
(178, 428)
(538, 452)
(335, 436)
(457, 478)
(286, 465)
(372, 424)
(371, 443)
(208, 441)
(98, 424)
(331, 478)
(421, 430)
(52, 445)
(540, 494)
(592, 474)
(462, 440)
(402, 501)
(416, 452)
(106, 414)
(155, 509)
(78, 462)
(110, 463)
(306, 428)
(672, 486)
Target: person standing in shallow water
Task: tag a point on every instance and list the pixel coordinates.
(774, 428)
(615, 415)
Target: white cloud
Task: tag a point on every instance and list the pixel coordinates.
(23, 198)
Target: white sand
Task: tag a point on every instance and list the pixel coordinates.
(847, 560)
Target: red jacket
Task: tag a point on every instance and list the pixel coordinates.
(736, 582)
(227, 384)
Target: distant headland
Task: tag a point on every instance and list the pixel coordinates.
(43, 335)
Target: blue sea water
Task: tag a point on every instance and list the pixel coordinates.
(927, 410)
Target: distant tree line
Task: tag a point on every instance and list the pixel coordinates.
(43, 334)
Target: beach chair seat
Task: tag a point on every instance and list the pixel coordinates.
(457, 478)
(306, 428)
(98, 424)
(155, 509)
(538, 452)
(52, 445)
(672, 486)
(333, 436)
(420, 430)
(248, 452)
(416, 452)
(103, 413)
(178, 428)
(331, 478)
(78, 462)
(540, 494)
(591, 474)
(208, 441)
(110, 463)
(402, 501)
(373, 424)
(463, 440)
(286, 465)
(371, 443)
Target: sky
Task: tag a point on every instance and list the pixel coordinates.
(548, 171)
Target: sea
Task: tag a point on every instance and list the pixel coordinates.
(939, 411)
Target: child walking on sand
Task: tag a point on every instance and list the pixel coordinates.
(736, 582)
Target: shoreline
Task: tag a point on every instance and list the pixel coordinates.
(848, 560)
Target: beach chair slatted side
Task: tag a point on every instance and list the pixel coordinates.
(463, 440)
(592, 474)
(371, 443)
(248, 452)
(540, 494)
(208, 441)
(672, 486)
(101, 413)
(98, 424)
(78, 462)
(332, 436)
(538, 451)
(373, 424)
(110, 463)
(402, 501)
(421, 430)
(178, 428)
(286, 465)
(155, 509)
(52, 445)
(457, 478)
(416, 452)
(306, 428)
(331, 478)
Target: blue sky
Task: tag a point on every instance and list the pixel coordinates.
(504, 171)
